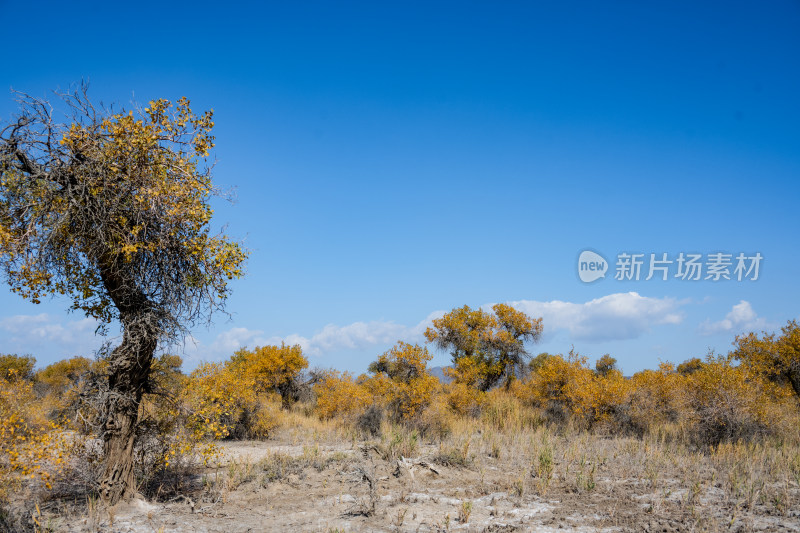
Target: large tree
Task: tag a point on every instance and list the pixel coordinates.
(111, 208)
(485, 347)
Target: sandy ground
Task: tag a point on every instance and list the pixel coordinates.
(350, 487)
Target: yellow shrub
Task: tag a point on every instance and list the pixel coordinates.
(168, 440)
(556, 386)
(165, 374)
(216, 399)
(242, 398)
(31, 446)
(775, 358)
(60, 386)
(267, 415)
(270, 368)
(463, 399)
(339, 395)
(726, 402)
(599, 398)
(13, 367)
(61, 375)
(569, 388)
(400, 380)
(468, 370)
(658, 396)
(409, 399)
(379, 387)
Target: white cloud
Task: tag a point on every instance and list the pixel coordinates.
(354, 336)
(357, 336)
(236, 338)
(618, 316)
(224, 345)
(45, 337)
(331, 338)
(741, 318)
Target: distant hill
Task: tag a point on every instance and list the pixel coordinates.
(438, 372)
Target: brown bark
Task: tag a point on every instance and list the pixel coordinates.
(128, 378)
(118, 481)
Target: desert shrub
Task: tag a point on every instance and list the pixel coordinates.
(60, 385)
(435, 421)
(536, 362)
(657, 397)
(380, 389)
(468, 370)
(690, 366)
(171, 444)
(24, 432)
(400, 380)
(62, 375)
(339, 395)
(567, 390)
(409, 399)
(210, 395)
(166, 377)
(167, 453)
(464, 399)
(504, 411)
(223, 403)
(242, 398)
(37, 455)
(600, 400)
(271, 369)
(775, 358)
(369, 422)
(555, 386)
(605, 364)
(725, 403)
(14, 367)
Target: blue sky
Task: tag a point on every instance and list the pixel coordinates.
(393, 161)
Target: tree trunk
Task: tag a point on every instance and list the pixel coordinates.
(129, 373)
(118, 481)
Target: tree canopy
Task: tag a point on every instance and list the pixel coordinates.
(485, 347)
(113, 211)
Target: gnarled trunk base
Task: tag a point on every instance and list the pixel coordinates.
(129, 372)
(119, 481)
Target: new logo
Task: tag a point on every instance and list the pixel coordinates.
(591, 266)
